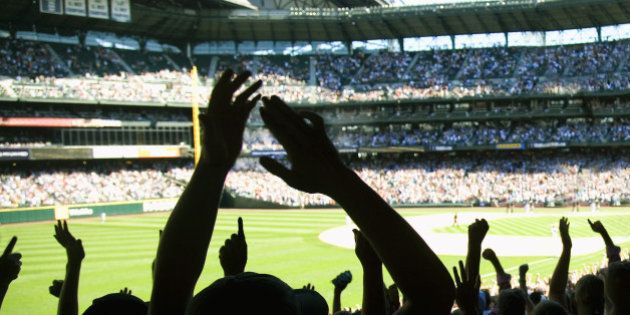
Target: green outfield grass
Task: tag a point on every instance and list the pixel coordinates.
(284, 243)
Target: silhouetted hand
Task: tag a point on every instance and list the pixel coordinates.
(233, 254)
(364, 251)
(477, 231)
(489, 254)
(564, 232)
(126, 291)
(224, 122)
(467, 294)
(342, 280)
(314, 160)
(522, 270)
(10, 263)
(597, 226)
(73, 246)
(309, 287)
(55, 288)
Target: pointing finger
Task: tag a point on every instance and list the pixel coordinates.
(10, 246)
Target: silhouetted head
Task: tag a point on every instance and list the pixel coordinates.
(512, 302)
(536, 297)
(549, 308)
(310, 302)
(245, 293)
(117, 303)
(589, 294)
(617, 286)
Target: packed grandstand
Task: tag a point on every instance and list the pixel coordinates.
(422, 127)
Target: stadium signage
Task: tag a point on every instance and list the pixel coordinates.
(158, 205)
(442, 148)
(509, 146)
(51, 6)
(78, 212)
(549, 145)
(75, 7)
(98, 9)
(121, 12)
(14, 154)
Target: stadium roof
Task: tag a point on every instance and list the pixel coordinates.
(185, 24)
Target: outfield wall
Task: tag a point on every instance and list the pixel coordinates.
(61, 212)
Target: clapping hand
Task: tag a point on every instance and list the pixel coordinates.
(233, 254)
(73, 246)
(225, 120)
(10, 263)
(314, 159)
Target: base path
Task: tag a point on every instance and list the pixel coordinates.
(456, 244)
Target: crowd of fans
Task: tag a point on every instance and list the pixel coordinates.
(382, 237)
(484, 179)
(96, 73)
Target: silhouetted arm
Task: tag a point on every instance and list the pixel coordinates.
(560, 277)
(10, 266)
(184, 242)
(69, 296)
(522, 282)
(316, 168)
(612, 251)
(340, 282)
(503, 279)
(373, 290)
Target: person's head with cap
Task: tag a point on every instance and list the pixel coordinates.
(311, 302)
(245, 293)
(117, 304)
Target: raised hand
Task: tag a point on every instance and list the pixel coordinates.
(467, 294)
(522, 270)
(342, 280)
(477, 231)
(233, 254)
(560, 277)
(503, 278)
(126, 291)
(314, 159)
(364, 251)
(55, 288)
(564, 232)
(224, 122)
(73, 246)
(10, 263)
(309, 287)
(597, 226)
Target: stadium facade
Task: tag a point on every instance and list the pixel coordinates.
(402, 89)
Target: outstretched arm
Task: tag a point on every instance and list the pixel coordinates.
(69, 296)
(316, 168)
(184, 242)
(612, 250)
(560, 277)
(503, 279)
(340, 282)
(10, 266)
(476, 233)
(373, 289)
